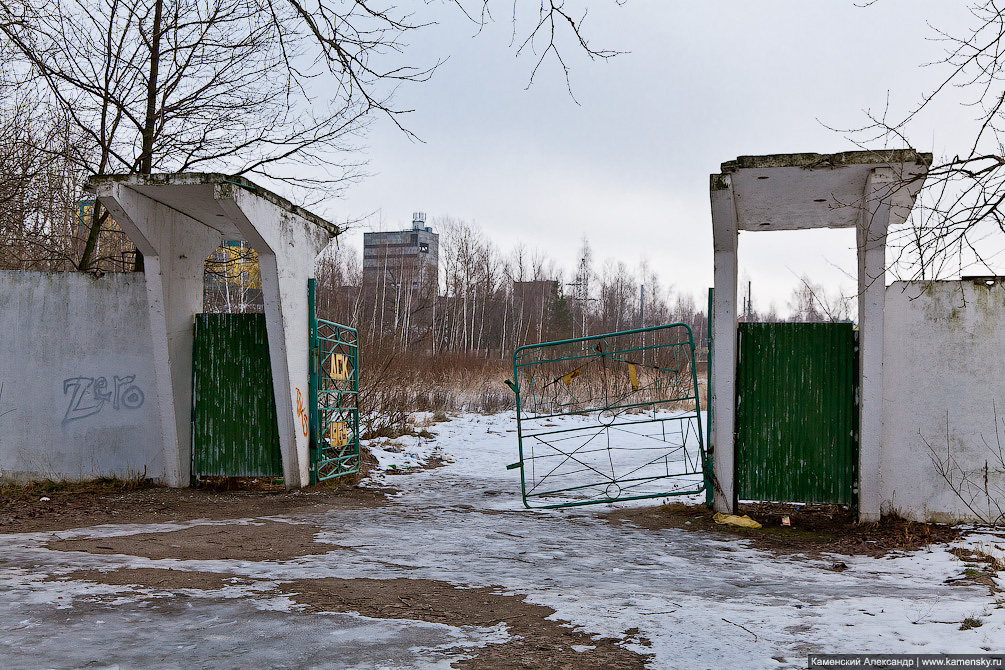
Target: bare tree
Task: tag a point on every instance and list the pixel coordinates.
(810, 302)
(232, 280)
(979, 486)
(38, 187)
(174, 85)
(253, 87)
(962, 203)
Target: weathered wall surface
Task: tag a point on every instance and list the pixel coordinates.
(78, 398)
(944, 369)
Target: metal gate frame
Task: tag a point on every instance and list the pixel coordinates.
(334, 395)
(638, 380)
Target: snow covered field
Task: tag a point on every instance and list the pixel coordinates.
(702, 601)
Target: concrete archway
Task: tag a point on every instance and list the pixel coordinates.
(176, 220)
(866, 190)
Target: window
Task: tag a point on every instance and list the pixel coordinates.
(424, 247)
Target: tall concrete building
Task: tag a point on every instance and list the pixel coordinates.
(405, 259)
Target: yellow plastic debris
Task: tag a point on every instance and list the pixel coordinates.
(633, 376)
(567, 379)
(734, 520)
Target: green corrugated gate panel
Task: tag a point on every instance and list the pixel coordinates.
(796, 412)
(234, 429)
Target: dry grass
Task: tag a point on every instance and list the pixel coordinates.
(971, 622)
(241, 484)
(394, 386)
(28, 489)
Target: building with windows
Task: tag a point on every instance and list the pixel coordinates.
(233, 280)
(406, 260)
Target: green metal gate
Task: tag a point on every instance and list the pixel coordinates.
(797, 412)
(609, 418)
(334, 392)
(234, 428)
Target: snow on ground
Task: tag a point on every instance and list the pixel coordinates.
(685, 591)
(704, 602)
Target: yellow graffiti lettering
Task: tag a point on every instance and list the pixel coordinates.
(338, 366)
(338, 433)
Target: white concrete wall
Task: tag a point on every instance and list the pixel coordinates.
(944, 372)
(79, 397)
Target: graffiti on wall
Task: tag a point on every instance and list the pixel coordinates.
(86, 396)
(302, 414)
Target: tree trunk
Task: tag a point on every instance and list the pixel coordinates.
(97, 219)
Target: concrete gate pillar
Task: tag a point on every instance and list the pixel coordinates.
(879, 211)
(286, 252)
(722, 376)
(176, 221)
(867, 190)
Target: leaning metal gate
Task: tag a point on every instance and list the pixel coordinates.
(608, 418)
(334, 396)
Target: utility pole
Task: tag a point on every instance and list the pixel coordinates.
(642, 305)
(750, 302)
(642, 318)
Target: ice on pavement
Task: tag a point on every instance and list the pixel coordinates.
(701, 600)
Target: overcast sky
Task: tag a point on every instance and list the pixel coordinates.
(701, 83)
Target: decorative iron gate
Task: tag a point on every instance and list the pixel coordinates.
(796, 412)
(334, 392)
(234, 427)
(609, 417)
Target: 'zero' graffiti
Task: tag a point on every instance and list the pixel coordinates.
(89, 395)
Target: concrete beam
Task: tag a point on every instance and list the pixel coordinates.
(868, 190)
(175, 247)
(176, 221)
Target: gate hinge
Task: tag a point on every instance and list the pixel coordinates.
(514, 466)
(512, 386)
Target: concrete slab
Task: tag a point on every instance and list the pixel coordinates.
(799, 191)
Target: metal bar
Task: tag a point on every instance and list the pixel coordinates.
(337, 399)
(312, 382)
(710, 453)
